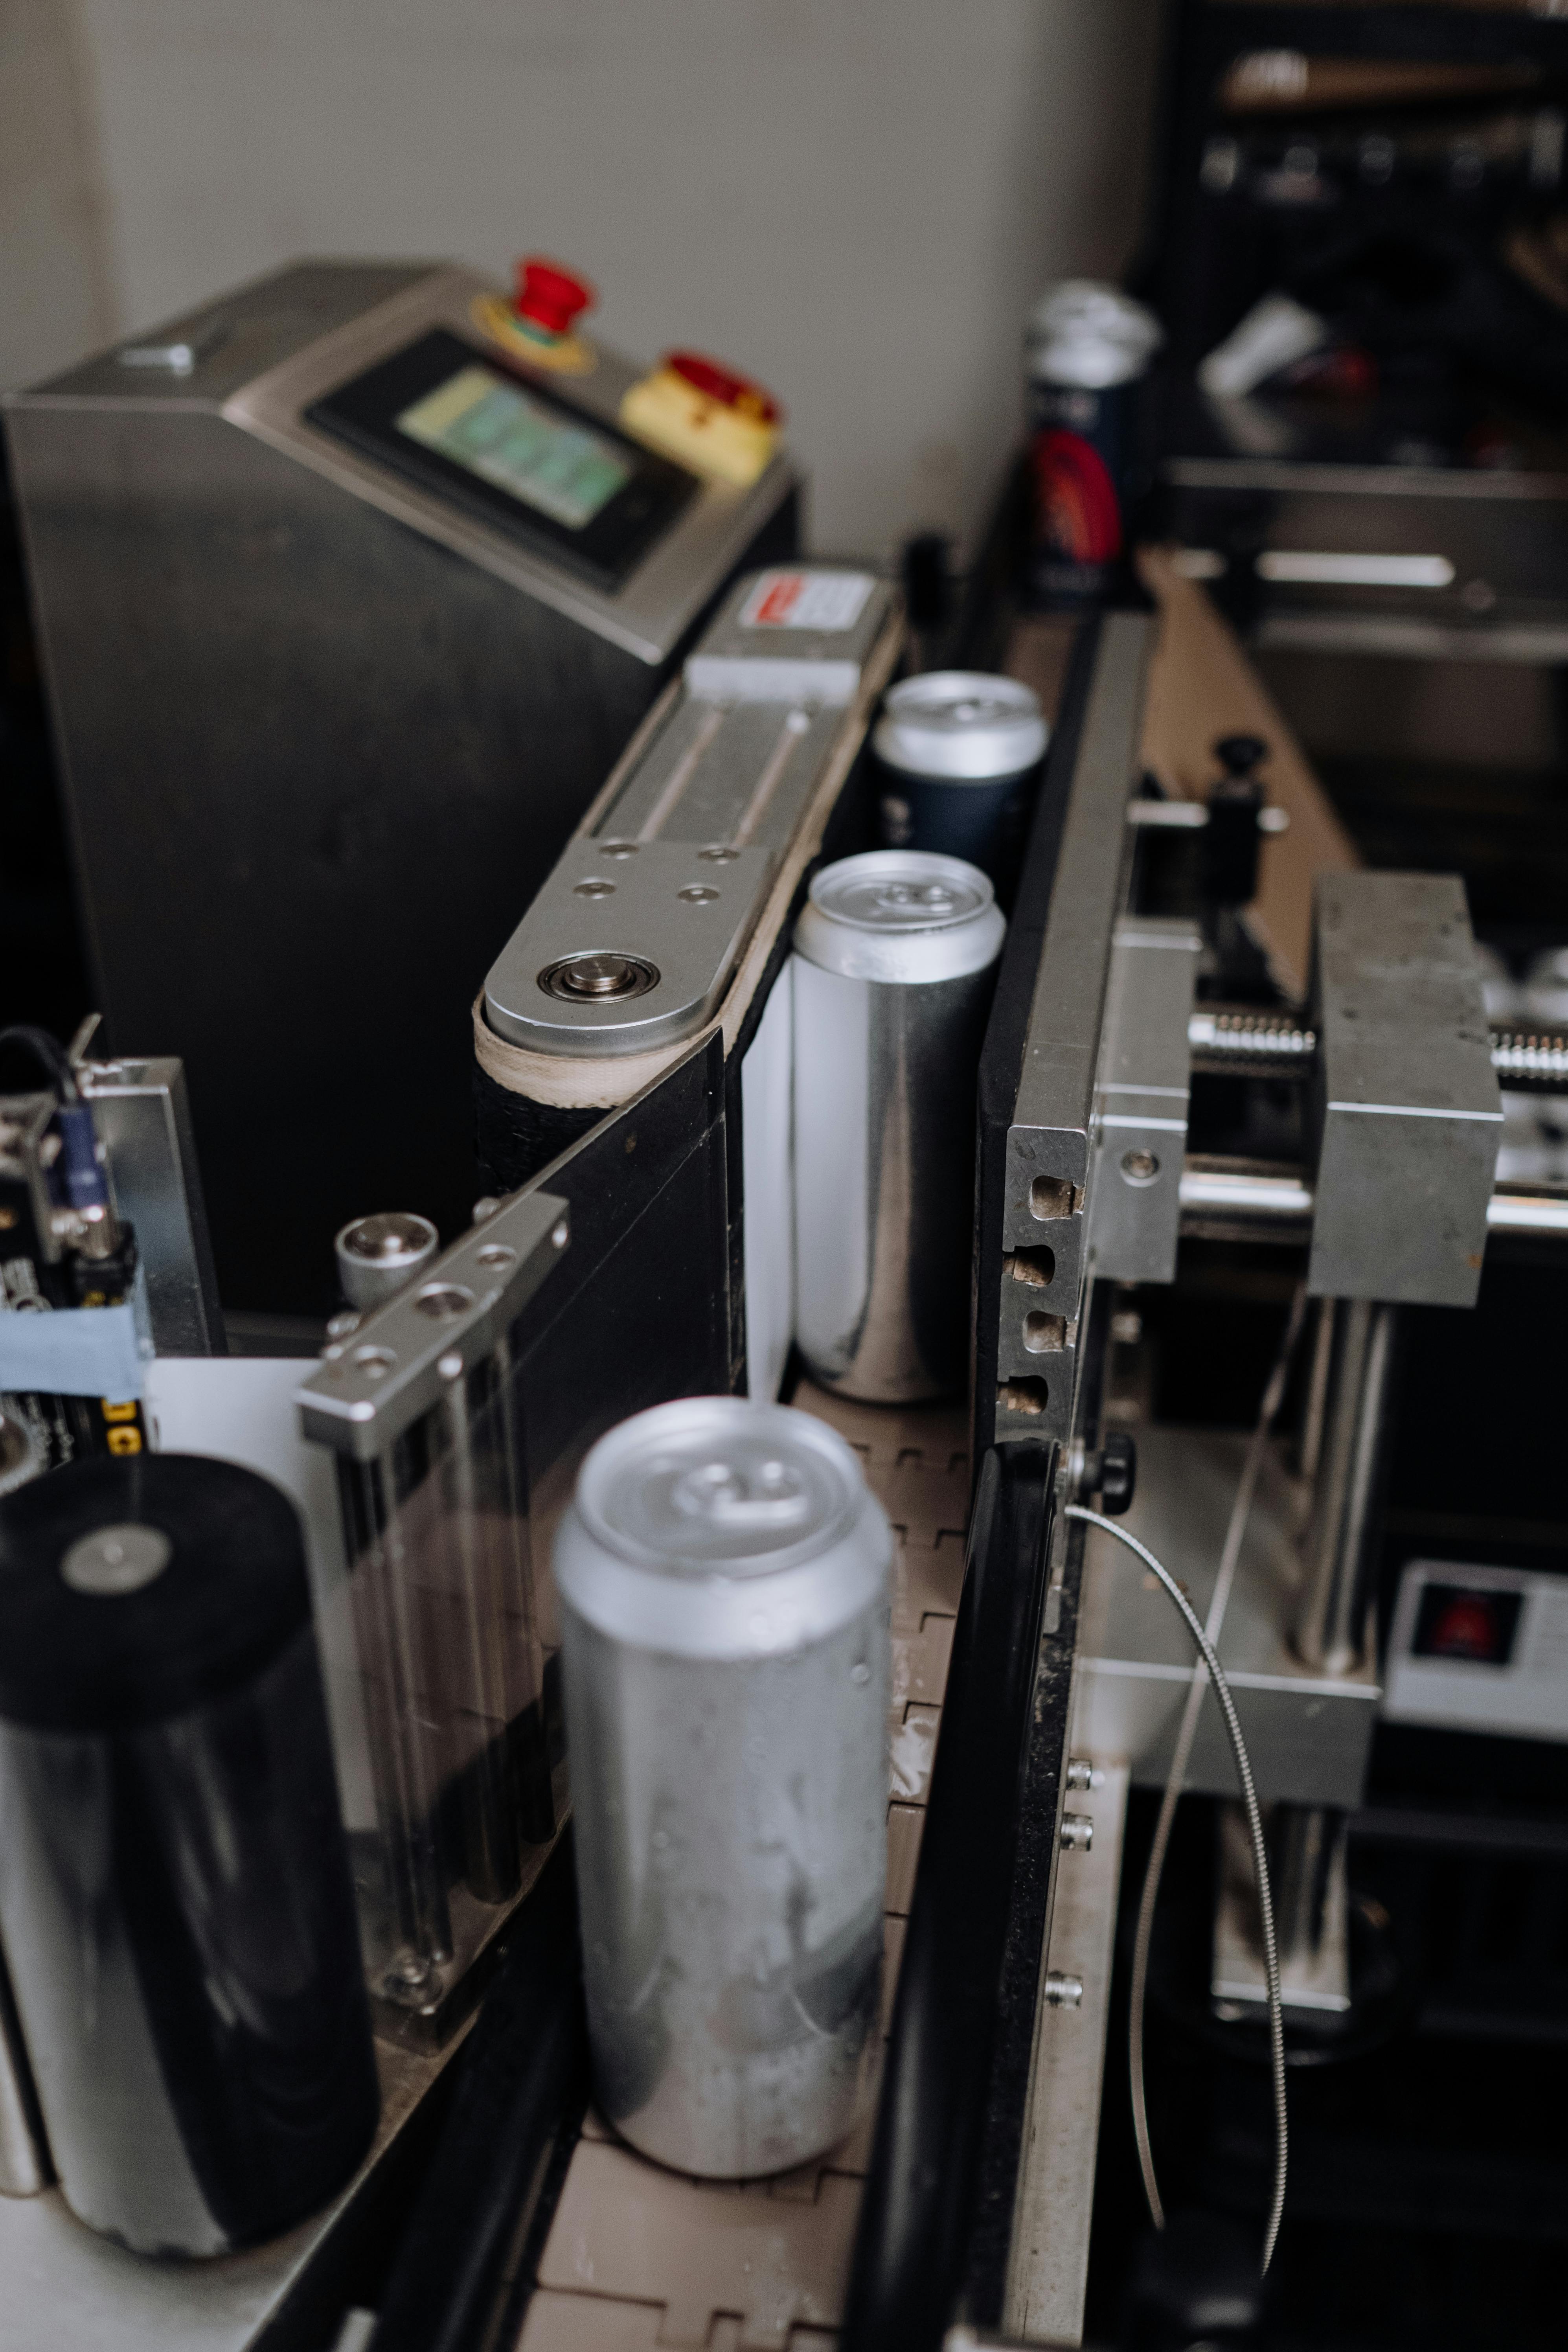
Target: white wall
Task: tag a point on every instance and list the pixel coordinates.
(855, 199)
(56, 300)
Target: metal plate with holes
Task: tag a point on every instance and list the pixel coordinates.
(1050, 1137)
(616, 913)
(373, 1384)
(1135, 1200)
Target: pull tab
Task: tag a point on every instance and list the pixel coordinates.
(758, 1497)
(933, 898)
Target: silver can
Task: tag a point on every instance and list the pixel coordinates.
(723, 1579)
(892, 974)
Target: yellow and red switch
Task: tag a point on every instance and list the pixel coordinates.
(707, 415)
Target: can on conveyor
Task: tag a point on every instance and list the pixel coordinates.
(893, 967)
(723, 1579)
(1089, 347)
(957, 752)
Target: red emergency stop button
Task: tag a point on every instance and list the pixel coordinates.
(549, 297)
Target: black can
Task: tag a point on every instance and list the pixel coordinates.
(175, 1902)
(958, 755)
(1089, 351)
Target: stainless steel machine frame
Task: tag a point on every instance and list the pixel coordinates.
(323, 731)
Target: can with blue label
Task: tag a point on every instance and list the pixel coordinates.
(1089, 350)
(958, 755)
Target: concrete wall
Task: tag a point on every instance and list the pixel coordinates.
(855, 199)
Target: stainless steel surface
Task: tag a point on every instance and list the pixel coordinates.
(723, 1579)
(366, 733)
(1340, 1543)
(1048, 2266)
(683, 919)
(1306, 1855)
(1405, 1101)
(379, 1255)
(70, 2290)
(1309, 1733)
(648, 612)
(892, 979)
(141, 1112)
(402, 1359)
(1141, 1102)
(1050, 1141)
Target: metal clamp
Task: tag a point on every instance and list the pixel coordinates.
(374, 1384)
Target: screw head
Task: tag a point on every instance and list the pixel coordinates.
(1138, 1167)
(697, 894)
(600, 979)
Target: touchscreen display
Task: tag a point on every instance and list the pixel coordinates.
(487, 425)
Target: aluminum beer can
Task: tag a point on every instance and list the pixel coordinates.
(895, 955)
(957, 754)
(724, 1577)
(1089, 347)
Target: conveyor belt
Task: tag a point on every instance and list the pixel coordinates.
(639, 2257)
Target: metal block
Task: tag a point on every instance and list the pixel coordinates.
(144, 1120)
(1142, 1134)
(404, 1357)
(1405, 1102)
(1308, 1734)
(1049, 1139)
(797, 634)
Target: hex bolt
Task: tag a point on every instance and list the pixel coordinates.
(1082, 1774)
(1063, 1992)
(1076, 1832)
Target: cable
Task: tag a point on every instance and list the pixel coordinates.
(1259, 1855)
(1176, 1779)
(47, 1051)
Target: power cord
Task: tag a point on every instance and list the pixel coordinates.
(1260, 1859)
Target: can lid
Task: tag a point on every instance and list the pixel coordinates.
(1090, 335)
(903, 915)
(960, 725)
(720, 1527)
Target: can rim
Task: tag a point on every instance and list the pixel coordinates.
(780, 1601)
(924, 730)
(919, 952)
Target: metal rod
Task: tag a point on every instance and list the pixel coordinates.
(1278, 1202)
(1330, 1625)
(1256, 1042)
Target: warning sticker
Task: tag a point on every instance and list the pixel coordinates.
(808, 600)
